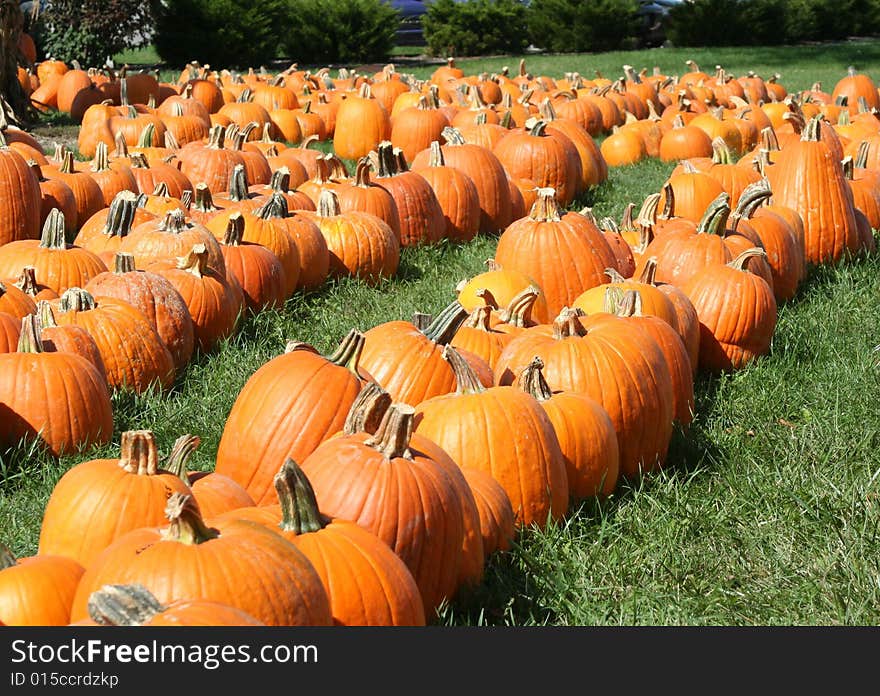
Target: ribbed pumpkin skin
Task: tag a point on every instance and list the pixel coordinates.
(158, 301)
(361, 124)
(504, 432)
(459, 201)
(785, 255)
(545, 159)
(497, 523)
(39, 591)
(416, 128)
(10, 329)
(504, 284)
(808, 178)
(216, 493)
(367, 583)
(286, 409)
(693, 194)
(737, 314)
(213, 166)
(133, 353)
(314, 255)
(619, 367)
(247, 566)
(28, 382)
(73, 339)
(369, 197)
(15, 302)
(260, 274)
(98, 501)
(149, 242)
(58, 269)
(418, 210)
(410, 504)
(565, 257)
(21, 203)
(93, 235)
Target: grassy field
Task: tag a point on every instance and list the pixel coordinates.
(769, 508)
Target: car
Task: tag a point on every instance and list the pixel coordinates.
(411, 13)
(652, 14)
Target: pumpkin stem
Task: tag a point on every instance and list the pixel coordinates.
(123, 262)
(714, 220)
(328, 204)
(120, 216)
(280, 182)
(174, 221)
(740, 261)
(182, 449)
(812, 130)
(275, 207)
(368, 409)
(348, 354)
(465, 378)
(862, 155)
(203, 202)
(446, 324)
(67, 164)
(721, 152)
(196, 261)
(299, 505)
(7, 558)
(452, 136)
(238, 184)
(422, 320)
(546, 208)
(161, 191)
(753, 197)
(479, 318)
(101, 162)
(387, 165)
(626, 222)
(234, 229)
(567, 324)
(185, 521)
(216, 137)
(362, 173)
(394, 433)
(123, 605)
(147, 136)
(612, 300)
(848, 167)
(27, 281)
(519, 311)
(46, 315)
(669, 202)
(53, 231)
(649, 272)
(436, 155)
(531, 381)
(76, 300)
(30, 340)
(138, 453)
(487, 298)
(614, 275)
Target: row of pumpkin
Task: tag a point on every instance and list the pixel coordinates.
(555, 373)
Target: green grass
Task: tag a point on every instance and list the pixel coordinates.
(767, 512)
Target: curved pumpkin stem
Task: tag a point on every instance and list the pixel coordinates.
(519, 311)
(614, 275)
(185, 521)
(466, 379)
(714, 220)
(752, 197)
(53, 231)
(181, 451)
(368, 410)
(669, 202)
(480, 318)
(30, 340)
(348, 354)
(739, 263)
(328, 204)
(649, 272)
(280, 181)
(446, 324)
(299, 505)
(138, 453)
(238, 184)
(531, 381)
(7, 558)
(123, 605)
(196, 261)
(567, 324)
(394, 433)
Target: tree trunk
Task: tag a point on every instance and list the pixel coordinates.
(13, 101)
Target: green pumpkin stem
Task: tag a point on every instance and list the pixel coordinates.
(120, 216)
(452, 136)
(519, 311)
(76, 300)
(30, 340)
(436, 155)
(46, 315)
(368, 410)
(394, 433)
(185, 521)
(138, 453)
(446, 324)
(53, 231)
(238, 184)
(101, 161)
(466, 379)
(216, 137)
(531, 380)
(739, 263)
(181, 451)
(348, 354)
(567, 324)
(612, 300)
(714, 220)
(148, 134)
(234, 229)
(422, 320)
(721, 152)
(196, 261)
(538, 128)
(123, 605)
(862, 155)
(752, 197)
(546, 208)
(299, 505)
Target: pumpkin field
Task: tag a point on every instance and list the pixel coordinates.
(544, 340)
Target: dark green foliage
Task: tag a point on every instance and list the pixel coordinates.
(768, 22)
(222, 33)
(476, 27)
(577, 26)
(89, 31)
(340, 31)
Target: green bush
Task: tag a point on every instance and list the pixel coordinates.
(577, 26)
(89, 31)
(340, 31)
(223, 33)
(476, 27)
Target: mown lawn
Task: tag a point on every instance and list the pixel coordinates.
(768, 511)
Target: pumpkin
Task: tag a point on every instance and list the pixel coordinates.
(565, 253)
(27, 283)
(15, 302)
(83, 418)
(68, 338)
(135, 605)
(10, 331)
(504, 284)
(54, 193)
(504, 432)
(257, 270)
(366, 196)
(21, 204)
(497, 522)
(416, 127)
(37, 590)
(286, 409)
(694, 191)
(238, 563)
(210, 162)
(361, 124)
(98, 501)
(683, 142)
(133, 353)
(391, 485)
(478, 336)
(367, 583)
(737, 313)
(156, 298)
